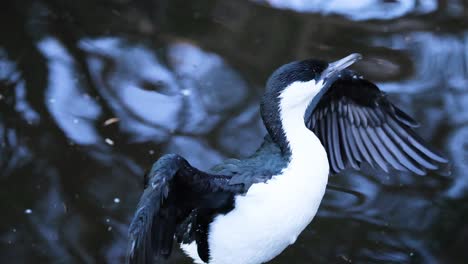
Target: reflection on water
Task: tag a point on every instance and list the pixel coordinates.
(431, 53)
(358, 9)
(92, 93)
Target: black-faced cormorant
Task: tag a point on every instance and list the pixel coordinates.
(321, 118)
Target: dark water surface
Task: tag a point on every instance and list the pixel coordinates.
(92, 92)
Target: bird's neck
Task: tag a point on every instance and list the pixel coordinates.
(308, 160)
(299, 139)
(298, 144)
(286, 127)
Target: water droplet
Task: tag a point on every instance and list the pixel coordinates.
(28, 211)
(109, 141)
(107, 220)
(109, 228)
(116, 200)
(185, 92)
(151, 152)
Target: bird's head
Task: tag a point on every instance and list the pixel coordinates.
(297, 86)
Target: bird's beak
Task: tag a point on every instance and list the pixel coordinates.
(330, 74)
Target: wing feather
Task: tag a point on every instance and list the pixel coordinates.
(352, 143)
(337, 143)
(346, 145)
(360, 144)
(160, 211)
(384, 149)
(375, 155)
(329, 136)
(356, 122)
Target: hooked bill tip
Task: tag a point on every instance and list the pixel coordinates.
(352, 58)
(336, 67)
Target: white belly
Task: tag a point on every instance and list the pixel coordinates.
(269, 217)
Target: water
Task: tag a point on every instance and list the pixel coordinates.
(93, 92)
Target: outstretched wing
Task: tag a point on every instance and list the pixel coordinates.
(356, 123)
(174, 189)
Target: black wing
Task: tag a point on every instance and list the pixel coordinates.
(174, 190)
(356, 123)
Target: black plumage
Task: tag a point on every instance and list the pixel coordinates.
(356, 123)
(161, 210)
